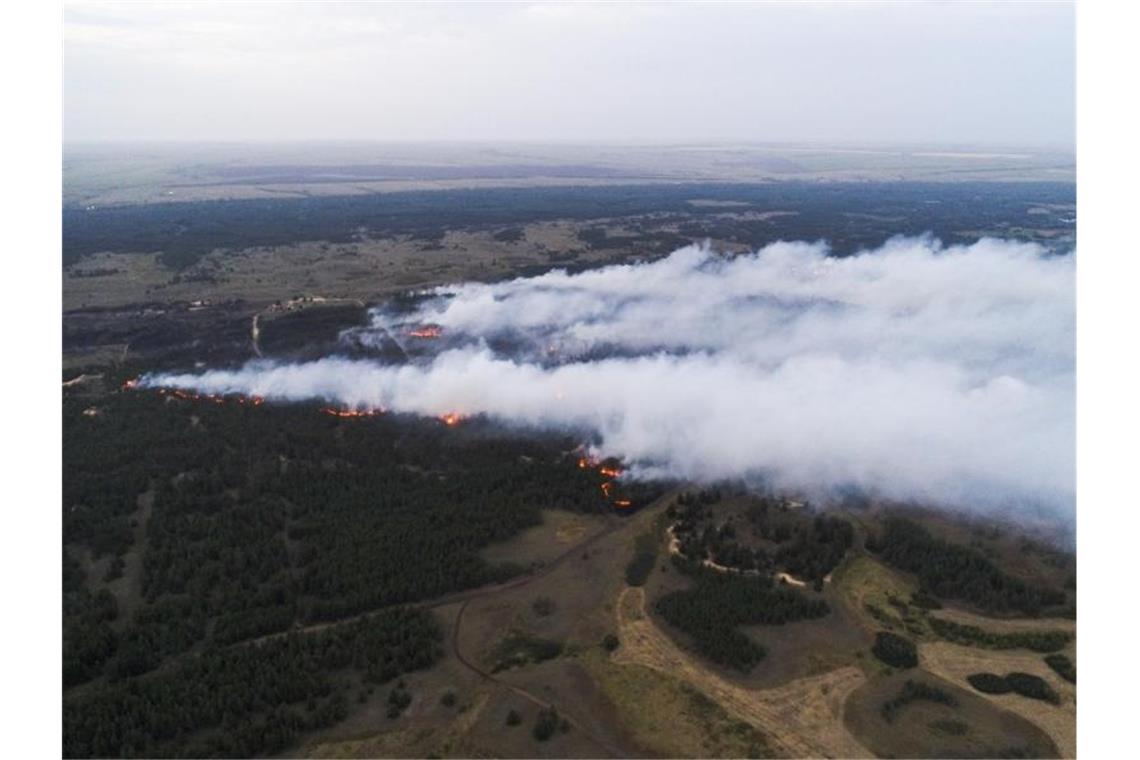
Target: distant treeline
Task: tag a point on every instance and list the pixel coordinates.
(849, 215)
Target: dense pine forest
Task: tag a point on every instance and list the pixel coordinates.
(711, 612)
(221, 522)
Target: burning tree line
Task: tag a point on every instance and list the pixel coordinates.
(610, 468)
(277, 517)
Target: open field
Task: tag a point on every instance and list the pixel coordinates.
(969, 727)
(954, 663)
(100, 175)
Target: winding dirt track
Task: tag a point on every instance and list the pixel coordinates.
(803, 718)
(529, 696)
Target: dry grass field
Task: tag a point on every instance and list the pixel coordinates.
(954, 663)
(970, 727)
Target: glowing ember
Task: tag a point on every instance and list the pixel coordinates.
(451, 419)
(351, 413)
(622, 503)
(426, 331)
(130, 385)
(610, 472)
(607, 487)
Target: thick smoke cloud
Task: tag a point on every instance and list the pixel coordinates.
(914, 371)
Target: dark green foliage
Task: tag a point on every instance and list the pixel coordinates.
(398, 700)
(1034, 687)
(282, 515)
(88, 639)
(1038, 641)
(924, 600)
(989, 683)
(513, 718)
(610, 642)
(1025, 684)
(546, 723)
(711, 612)
(894, 650)
(1062, 666)
(644, 559)
(955, 572)
(807, 547)
(248, 698)
(913, 691)
(184, 232)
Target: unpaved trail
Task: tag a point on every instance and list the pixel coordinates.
(127, 589)
(527, 695)
(298, 304)
(803, 718)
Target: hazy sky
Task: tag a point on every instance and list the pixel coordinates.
(878, 72)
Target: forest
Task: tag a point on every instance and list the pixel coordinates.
(849, 215)
(264, 518)
(951, 571)
(711, 612)
(772, 537)
(250, 699)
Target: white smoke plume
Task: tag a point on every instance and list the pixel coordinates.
(915, 371)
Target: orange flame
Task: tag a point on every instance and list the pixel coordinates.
(606, 488)
(622, 503)
(131, 384)
(426, 331)
(451, 419)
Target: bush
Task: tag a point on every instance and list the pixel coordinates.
(610, 642)
(513, 718)
(1032, 686)
(448, 699)
(543, 606)
(925, 600)
(895, 650)
(1025, 684)
(546, 723)
(989, 683)
(644, 558)
(1062, 666)
(913, 691)
(971, 635)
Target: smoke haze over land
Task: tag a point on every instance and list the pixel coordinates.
(913, 371)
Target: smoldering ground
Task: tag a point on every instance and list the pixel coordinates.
(915, 371)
